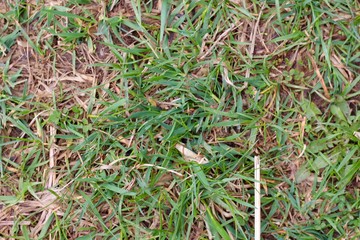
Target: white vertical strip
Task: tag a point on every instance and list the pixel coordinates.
(257, 198)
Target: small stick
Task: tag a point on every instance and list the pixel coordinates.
(257, 198)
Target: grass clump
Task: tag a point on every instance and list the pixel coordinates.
(96, 98)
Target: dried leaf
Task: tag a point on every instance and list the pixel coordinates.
(357, 135)
(190, 155)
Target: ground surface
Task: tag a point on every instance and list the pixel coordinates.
(98, 97)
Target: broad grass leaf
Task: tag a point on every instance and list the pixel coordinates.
(310, 109)
(302, 174)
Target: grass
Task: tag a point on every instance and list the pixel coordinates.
(97, 96)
